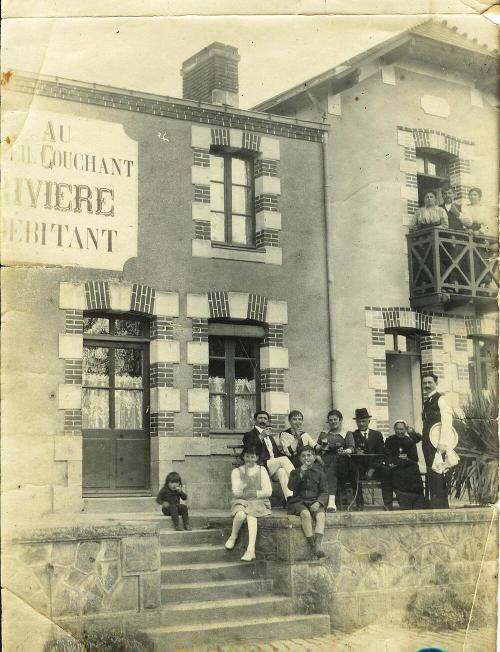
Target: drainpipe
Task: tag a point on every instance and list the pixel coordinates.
(329, 266)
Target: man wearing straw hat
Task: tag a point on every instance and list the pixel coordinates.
(438, 441)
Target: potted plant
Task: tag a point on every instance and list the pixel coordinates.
(477, 471)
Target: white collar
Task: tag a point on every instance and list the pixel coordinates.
(259, 429)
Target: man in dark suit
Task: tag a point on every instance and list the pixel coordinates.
(453, 209)
(370, 442)
(268, 454)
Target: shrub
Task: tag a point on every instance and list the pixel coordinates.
(102, 641)
(318, 597)
(441, 611)
(477, 471)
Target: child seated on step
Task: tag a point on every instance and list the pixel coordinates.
(310, 495)
(170, 500)
(251, 488)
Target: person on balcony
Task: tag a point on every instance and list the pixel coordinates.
(473, 212)
(456, 220)
(429, 214)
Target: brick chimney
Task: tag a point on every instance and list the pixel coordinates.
(211, 75)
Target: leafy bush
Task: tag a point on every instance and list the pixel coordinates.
(318, 597)
(102, 641)
(477, 471)
(443, 611)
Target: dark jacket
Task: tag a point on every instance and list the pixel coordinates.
(169, 496)
(405, 474)
(252, 438)
(454, 222)
(431, 414)
(311, 488)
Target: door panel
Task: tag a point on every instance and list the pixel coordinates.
(96, 462)
(132, 462)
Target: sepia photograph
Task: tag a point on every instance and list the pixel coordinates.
(249, 327)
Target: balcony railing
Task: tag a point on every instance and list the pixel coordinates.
(449, 268)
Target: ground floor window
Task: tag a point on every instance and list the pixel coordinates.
(233, 377)
(115, 403)
(483, 363)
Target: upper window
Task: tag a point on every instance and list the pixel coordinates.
(232, 199)
(402, 342)
(233, 381)
(432, 173)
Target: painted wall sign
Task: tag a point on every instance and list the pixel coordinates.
(69, 191)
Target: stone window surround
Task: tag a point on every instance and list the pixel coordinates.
(267, 187)
(273, 356)
(461, 178)
(74, 299)
(442, 353)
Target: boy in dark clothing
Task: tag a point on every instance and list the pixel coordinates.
(310, 495)
(170, 500)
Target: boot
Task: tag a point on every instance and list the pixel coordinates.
(177, 525)
(185, 522)
(319, 553)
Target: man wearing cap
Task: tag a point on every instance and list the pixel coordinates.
(436, 410)
(370, 442)
(401, 458)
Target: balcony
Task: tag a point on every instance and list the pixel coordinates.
(452, 268)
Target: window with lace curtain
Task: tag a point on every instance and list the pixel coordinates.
(233, 381)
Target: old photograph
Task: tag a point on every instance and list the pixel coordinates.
(249, 328)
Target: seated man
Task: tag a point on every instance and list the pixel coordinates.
(268, 453)
(402, 458)
(310, 493)
(335, 445)
(369, 442)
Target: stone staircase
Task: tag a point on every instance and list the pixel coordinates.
(209, 596)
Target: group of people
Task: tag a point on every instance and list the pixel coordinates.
(450, 214)
(313, 473)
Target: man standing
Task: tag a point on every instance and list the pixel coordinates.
(268, 454)
(456, 221)
(402, 459)
(370, 442)
(435, 410)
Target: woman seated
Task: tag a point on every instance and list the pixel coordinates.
(251, 489)
(335, 446)
(293, 439)
(429, 214)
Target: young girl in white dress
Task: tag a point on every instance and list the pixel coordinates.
(251, 489)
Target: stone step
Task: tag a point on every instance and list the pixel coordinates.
(168, 639)
(225, 589)
(121, 504)
(185, 613)
(208, 572)
(197, 553)
(177, 539)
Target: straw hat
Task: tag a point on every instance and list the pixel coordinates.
(450, 441)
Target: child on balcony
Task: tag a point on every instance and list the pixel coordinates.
(310, 495)
(170, 500)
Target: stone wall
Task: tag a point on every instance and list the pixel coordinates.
(377, 562)
(86, 575)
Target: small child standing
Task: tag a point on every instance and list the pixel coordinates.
(310, 495)
(170, 500)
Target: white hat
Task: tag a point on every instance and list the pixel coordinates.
(450, 441)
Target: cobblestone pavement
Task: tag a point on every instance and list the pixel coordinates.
(374, 638)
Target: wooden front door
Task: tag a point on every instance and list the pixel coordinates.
(115, 406)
